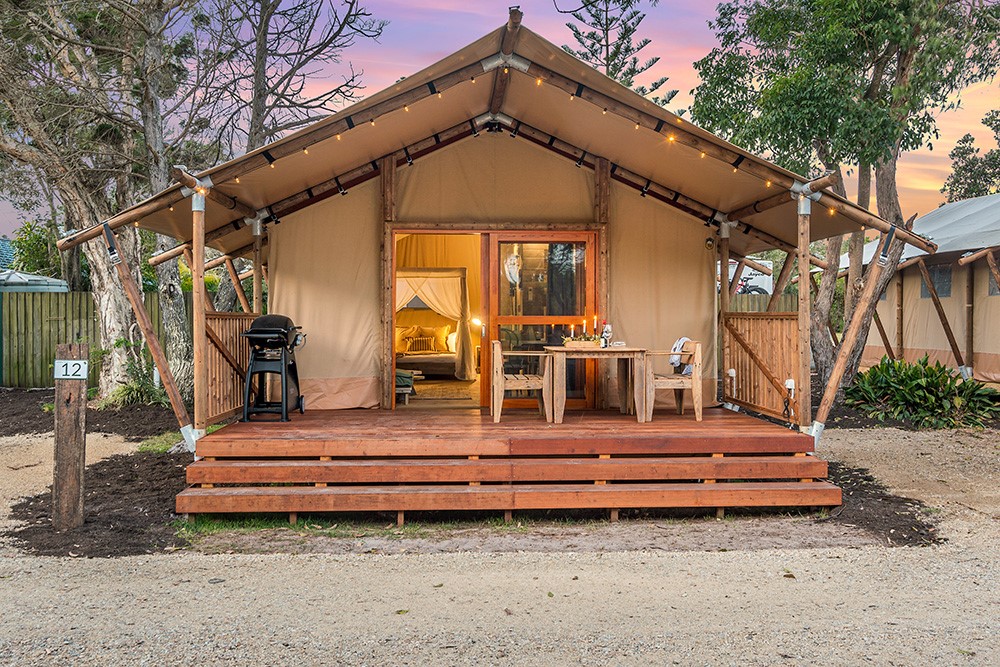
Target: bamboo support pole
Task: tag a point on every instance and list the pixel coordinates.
(201, 304)
(724, 293)
(134, 295)
(784, 197)
(942, 316)
(783, 277)
(238, 286)
(803, 387)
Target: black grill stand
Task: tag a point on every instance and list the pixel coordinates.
(272, 340)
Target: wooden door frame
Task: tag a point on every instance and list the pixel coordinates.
(491, 285)
(392, 232)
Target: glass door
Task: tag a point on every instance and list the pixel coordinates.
(542, 287)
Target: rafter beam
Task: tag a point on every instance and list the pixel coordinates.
(785, 197)
(969, 259)
(508, 43)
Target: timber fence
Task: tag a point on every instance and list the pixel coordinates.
(33, 323)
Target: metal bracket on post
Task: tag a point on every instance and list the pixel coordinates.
(966, 372)
(500, 59)
(817, 431)
(805, 205)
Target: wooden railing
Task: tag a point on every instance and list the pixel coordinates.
(763, 349)
(227, 359)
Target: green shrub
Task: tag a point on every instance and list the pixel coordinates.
(138, 389)
(926, 395)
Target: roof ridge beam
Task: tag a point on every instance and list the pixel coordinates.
(508, 43)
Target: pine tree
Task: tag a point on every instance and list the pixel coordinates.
(606, 35)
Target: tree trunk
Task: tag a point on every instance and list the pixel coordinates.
(225, 295)
(177, 341)
(888, 209)
(855, 252)
(823, 348)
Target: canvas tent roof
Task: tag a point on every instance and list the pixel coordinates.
(958, 227)
(380, 125)
(14, 281)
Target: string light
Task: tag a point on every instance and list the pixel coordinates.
(271, 165)
(832, 210)
(237, 180)
(305, 151)
(171, 208)
(637, 126)
(703, 154)
(473, 79)
(572, 97)
(439, 95)
(406, 107)
(671, 138)
(605, 112)
(538, 81)
(506, 70)
(679, 121)
(735, 169)
(767, 184)
(372, 121)
(338, 137)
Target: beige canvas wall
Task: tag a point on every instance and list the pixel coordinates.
(662, 283)
(325, 266)
(922, 329)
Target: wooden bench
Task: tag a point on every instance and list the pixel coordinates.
(689, 354)
(518, 381)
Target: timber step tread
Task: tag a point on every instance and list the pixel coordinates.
(388, 471)
(542, 496)
(411, 445)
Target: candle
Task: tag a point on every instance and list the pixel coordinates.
(584, 327)
(595, 325)
(572, 330)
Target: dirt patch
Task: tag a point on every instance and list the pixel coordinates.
(129, 501)
(23, 414)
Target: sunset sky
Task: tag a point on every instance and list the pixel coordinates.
(420, 33)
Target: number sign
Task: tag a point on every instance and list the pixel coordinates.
(71, 369)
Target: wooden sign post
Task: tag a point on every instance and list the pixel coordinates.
(71, 369)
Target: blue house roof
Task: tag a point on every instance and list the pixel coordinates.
(6, 253)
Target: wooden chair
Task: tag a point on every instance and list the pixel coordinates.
(690, 354)
(516, 381)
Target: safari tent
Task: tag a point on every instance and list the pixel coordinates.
(568, 200)
(947, 305)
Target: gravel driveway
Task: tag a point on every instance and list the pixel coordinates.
(872, 604)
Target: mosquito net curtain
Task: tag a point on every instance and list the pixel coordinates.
(445, 291)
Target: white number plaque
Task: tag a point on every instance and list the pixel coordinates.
(71, 369)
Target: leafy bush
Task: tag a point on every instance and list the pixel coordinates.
(926, 395)
(139, 388)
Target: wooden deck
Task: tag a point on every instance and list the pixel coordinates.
(370, 460)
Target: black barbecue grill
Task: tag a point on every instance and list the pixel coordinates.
(273, 339)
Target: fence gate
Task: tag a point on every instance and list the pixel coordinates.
(760, 353)
(227, 358)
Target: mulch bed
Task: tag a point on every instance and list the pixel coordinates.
(128, 510)
(130, 501)
(22, 414)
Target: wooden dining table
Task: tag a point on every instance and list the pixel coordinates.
(631, 376)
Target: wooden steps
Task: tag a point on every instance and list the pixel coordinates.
(460, 460)
(497, 497)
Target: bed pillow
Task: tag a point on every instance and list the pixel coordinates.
(439, 334)
(453, 342)
(421, 344)
(403, 336)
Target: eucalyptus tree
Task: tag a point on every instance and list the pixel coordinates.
(974, 174)
(829, 83)
(606, 40)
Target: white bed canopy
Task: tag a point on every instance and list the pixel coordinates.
(446, 292)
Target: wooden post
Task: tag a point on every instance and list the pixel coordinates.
(258, 282)
(926, 277)
(602, 216)
(970, 312)
(142, 318)
(724, 292)
(803, 387)
(238, 286)
(71, 434)
(900, 348)
(200, 299)
(783, 277)
(885, 339)
(850, 338)
(735, 282)
(387, 169)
